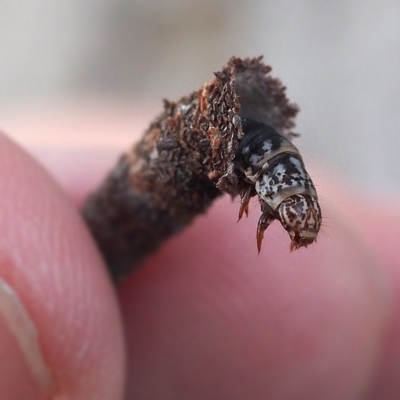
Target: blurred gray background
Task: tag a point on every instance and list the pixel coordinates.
(340, 61)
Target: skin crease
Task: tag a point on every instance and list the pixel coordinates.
(205, 317)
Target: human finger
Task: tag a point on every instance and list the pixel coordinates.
(60, 323)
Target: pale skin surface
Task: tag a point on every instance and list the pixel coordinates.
(206, 317)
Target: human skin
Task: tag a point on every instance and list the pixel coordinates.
(205, 317)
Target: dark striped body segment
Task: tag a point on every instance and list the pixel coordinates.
(275, 168)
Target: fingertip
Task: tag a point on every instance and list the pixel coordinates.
(16, 379)
(51, 265)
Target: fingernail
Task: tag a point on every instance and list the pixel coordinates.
(23, 329)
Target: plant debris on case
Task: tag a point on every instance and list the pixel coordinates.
(231, 136)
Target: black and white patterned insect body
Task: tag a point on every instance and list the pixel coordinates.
(274, 167)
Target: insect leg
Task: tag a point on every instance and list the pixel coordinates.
(263, 223)
(244, 202)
